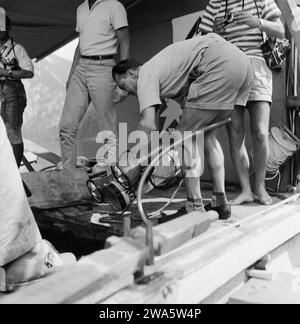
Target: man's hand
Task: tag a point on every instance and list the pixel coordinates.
(241, 18)
(219, 25)
(3, 72)
(119, 95)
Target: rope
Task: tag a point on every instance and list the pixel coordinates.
(279, 153)
(282, 145)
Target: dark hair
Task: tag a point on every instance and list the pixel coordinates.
(125, 65)
(8, 24)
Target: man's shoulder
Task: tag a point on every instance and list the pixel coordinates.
(150, 68)
(115, 3)
(19, 47)
(11, 44)
(84, 4)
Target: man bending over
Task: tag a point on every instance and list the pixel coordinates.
(223, 79)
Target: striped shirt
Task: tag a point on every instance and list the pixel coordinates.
(248, 39)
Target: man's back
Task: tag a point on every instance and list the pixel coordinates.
(169, 70)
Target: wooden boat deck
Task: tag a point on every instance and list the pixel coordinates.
(205, 268)
(58, 224)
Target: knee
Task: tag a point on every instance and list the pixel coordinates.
(67, 126)
(236, 135)
(260, 136)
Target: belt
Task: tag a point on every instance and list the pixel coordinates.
(98, 57)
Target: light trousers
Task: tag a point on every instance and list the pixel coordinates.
(91, 82)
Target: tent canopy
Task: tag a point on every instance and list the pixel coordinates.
(43, 26)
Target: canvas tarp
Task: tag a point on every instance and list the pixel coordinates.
(43, 26)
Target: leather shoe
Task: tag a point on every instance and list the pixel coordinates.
(224, 211)
(166, 218)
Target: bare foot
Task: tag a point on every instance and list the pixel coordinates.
(243, 198)
(263, 197)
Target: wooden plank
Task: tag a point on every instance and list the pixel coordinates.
(54, 189)
(93, 278)
(284, 289)
(293, 102)
(158, 288)
(175, 233)
(209, 263)
(291, 13)
(41, 152)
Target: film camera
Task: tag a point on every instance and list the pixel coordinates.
(275, 52)
(229, 18)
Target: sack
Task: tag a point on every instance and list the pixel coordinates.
(275, 52)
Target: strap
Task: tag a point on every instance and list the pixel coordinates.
(195, 29)
(226, 7)
(259, 16)
(13, 48)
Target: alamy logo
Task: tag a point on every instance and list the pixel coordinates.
(144, 147)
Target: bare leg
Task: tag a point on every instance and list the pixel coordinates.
(215, 161)
(193, 171)
(239, 155)
(260, 117)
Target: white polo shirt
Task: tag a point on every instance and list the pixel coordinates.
(97, 27)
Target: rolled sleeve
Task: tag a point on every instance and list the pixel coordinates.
(148, 90)
(24, 60)
(119, 16)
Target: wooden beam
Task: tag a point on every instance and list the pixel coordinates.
(92, 279)
(284, 289)
(291, 13)
(209, 263)
(158, 288)
(55, 189)
(293, 102)
(175, 233)
(41, 152)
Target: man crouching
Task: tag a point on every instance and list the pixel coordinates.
(208, 76)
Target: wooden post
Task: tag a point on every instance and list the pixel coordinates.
(291, 12)
(56, 189)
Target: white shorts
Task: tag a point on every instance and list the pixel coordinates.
(262, 83)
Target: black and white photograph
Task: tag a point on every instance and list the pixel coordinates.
(149, 155)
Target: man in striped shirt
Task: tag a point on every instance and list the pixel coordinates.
(245, 23)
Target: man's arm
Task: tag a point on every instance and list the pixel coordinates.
(147, 125)
(74, 65)
(273, 28)
(17, 74)
(124, 42)
(148, 120)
